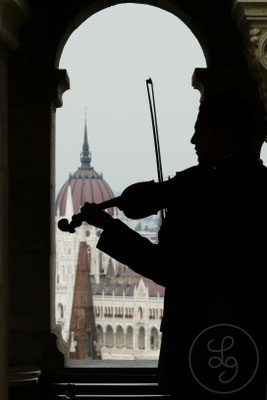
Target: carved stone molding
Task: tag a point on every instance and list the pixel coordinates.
(251, 20)
(60, 83)
(13, 14)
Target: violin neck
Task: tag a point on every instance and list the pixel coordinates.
(109, 203)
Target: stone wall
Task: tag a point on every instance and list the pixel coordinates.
(3, 224)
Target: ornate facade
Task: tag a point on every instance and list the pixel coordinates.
(127, 308)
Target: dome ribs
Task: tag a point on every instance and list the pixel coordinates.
(86, 184)
(100, 190)
(91, 192)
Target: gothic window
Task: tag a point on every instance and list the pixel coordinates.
(154, 339)
(129, 338)
(119, 338)
(100, 335)
(109, 337)
(141, 339)
(100, 262)
(57, 278)
(60, 311)
(140, 312)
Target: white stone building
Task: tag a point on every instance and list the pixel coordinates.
(128, 308)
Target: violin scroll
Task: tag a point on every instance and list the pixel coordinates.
(65, 226)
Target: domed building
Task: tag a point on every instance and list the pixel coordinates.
(127, 308)
(84, 185)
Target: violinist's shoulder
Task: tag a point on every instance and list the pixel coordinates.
(188, 173)
(185, 177)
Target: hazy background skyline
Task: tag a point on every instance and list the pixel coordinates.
(108, 59)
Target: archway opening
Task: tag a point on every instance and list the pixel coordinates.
(108, 60)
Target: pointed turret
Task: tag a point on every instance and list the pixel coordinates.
(110, 275)
(85, 154)
(83, 336)
(69, 204)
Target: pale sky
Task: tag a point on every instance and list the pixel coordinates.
(108, 59)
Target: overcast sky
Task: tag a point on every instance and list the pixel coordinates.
(108, 59)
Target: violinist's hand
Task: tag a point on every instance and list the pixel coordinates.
(94, 216)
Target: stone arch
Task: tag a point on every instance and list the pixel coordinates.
(129, 337)
(119, 337)
(154, 339)
(109, 337)
(141, 338)
(100, 335)
(204, 22)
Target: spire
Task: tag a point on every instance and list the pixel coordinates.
(110, 275)
(83, 336)
(85, 154)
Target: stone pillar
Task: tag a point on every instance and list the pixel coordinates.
(3, 225)
(35, 89)
(251, 20)
(12, 15)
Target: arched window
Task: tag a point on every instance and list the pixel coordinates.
(90, 80)
(129, 338)
(100, 335)
(109, 337)
(141, 339)
(154, 339)
(100, 262)
(60, 311)
(119, 338)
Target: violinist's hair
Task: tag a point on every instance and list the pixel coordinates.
(233, 109)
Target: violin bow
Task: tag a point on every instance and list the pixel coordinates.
(152, 106)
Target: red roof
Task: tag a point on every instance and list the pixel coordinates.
(86, 186)
(126, 283)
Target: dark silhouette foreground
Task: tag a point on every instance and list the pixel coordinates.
(211, 259)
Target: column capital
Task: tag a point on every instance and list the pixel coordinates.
(60, 83)
(13, 14)
(251, 21)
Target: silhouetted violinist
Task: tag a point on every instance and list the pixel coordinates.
(210, 257)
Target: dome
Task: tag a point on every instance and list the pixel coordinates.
(86, 184)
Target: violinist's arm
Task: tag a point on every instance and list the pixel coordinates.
(133, 250)
(124, 244)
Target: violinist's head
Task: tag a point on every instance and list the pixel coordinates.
(225, 125)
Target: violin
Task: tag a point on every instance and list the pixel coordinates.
(137, 201)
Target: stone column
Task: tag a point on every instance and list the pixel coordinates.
(12, 15)
(3, 225)
(251, 21)
(35, 89)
